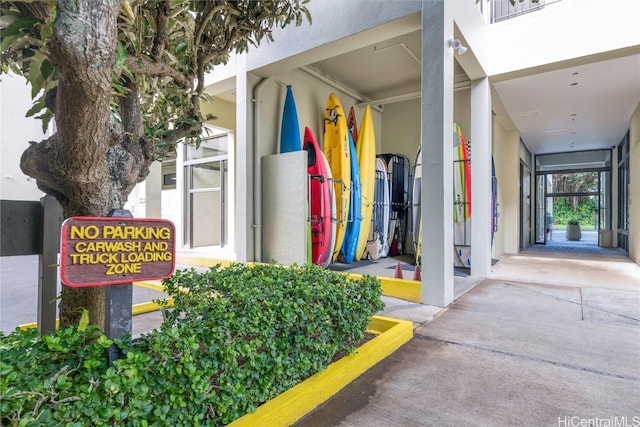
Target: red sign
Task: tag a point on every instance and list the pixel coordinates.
(98, 251)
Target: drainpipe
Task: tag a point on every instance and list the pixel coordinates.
(257, 172)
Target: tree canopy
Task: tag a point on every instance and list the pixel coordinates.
(134, 68)
(124, 81)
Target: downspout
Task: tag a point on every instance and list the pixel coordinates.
(257, 172)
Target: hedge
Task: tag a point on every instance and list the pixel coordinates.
(235, 338)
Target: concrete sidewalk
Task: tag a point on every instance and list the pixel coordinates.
(547, 340)
(513, 353)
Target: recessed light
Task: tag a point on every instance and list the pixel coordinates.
(573, 115)
(573, 84)
(524, 114)
(575, 73)
(556, 132)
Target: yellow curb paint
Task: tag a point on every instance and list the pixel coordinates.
(409, 290)
(156, 285)
(298, 401)
(145, 307)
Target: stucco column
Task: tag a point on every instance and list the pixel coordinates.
(153, 191)
(437, 154)
(481, 178)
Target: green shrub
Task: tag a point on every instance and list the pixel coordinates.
(239, 337)
(573, 221)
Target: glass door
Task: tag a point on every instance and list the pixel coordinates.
(205, 209)
(541, 217)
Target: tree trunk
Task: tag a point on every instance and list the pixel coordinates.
(82, 165)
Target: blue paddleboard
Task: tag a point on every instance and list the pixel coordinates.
(350, 244)
(290, 139)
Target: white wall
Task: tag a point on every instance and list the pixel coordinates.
(16, 131)
(333, 22)
(401, 129)
(555, 33)
(311, 98)
(506, 153)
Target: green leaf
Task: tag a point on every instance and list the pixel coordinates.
(84, 321)
(46, 69)
(36, 108)
(20, 24)
(7, 41)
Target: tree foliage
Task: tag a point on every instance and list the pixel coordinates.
(124, 81)
(136, 67)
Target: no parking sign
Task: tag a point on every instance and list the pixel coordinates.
(98, 251)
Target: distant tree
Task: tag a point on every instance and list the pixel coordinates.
(577, 182)
(123, 80)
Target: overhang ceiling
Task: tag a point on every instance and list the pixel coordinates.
(571, 108)
(575, 108)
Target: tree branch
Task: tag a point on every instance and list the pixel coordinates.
(172, 137)
(37, 9)
(139, 65)
(162, 23)
(203, 25)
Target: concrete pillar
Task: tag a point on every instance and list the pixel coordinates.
(481, 178)
(437, 153)
(153, 191)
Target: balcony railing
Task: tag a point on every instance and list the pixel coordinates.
(503, 9)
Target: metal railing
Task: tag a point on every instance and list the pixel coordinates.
(506, 9)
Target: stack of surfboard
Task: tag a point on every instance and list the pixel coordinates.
(359, 202)
(398, 172)
(461, 201)
(351, 157)
(341, 180)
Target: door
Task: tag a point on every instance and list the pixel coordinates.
(525, 206)
(205, 172)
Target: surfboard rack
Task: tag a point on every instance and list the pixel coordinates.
(343, 188)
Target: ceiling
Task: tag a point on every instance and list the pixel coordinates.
(581, 107)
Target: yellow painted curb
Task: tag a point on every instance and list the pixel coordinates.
(145, 307)
(148, 307)
(298, 401)
(409, 290)
(156, 285)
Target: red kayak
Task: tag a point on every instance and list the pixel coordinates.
(320, 200)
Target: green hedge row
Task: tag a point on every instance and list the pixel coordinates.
(239, 337)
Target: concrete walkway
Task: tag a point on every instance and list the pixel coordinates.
(542, 343)
(550, 339)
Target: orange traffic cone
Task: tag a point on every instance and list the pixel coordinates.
(416, 274)
(398, 274)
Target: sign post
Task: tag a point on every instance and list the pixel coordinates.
(118, 311)
(115, 251)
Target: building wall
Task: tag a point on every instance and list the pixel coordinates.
(553, 34)
(16, 132)
(506, 143)
(224, 111)
(335, 30)
(634, 191)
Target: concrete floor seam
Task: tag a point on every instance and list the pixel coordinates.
(530, 358)
(581, 303)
